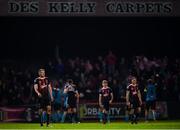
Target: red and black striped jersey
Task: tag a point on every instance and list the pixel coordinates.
(42, 84)
(133, 90)
(105, 93)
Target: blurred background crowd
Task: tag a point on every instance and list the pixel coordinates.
(16, 77)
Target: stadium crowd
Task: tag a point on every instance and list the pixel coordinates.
(16, 78)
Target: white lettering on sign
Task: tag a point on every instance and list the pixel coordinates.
(94, 111)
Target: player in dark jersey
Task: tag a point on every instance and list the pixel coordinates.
(105, 99)
(128, 82)
(133, 100)
(43, 89)
(73, 100)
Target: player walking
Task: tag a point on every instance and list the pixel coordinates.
(150, 99)
(43, 90)
(133, 100)
(105, 99)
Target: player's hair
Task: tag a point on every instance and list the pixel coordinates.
(150, 81)
(41, 70)
(133, 78)
(104, 81)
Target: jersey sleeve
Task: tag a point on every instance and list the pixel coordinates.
(128, 88)
(100, 92)
(66, 86)
(36, 81)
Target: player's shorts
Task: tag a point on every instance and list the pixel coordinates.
(44, 102)
(105, 105)
(151, 104)
(57, 106)
(72, 104)
(134, 103)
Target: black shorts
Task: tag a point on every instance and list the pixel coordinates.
(151, 104)
(134, 103)
(57, 106)
(72, 104)
(105, 105)
(44, 102)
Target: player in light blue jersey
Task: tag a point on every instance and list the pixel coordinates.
(150, 99)
(57, 94)
(65, 104)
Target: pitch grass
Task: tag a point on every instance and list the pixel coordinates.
(95, 126)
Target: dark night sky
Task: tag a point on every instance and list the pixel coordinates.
(34, 37)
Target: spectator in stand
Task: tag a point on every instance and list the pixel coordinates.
(111, 60)
(88, 67)
(60, 67)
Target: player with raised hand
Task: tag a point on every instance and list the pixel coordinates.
(133, 100)
(105, 99)
(72, 100)
(43, 89)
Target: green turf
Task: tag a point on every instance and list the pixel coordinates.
(114, 125)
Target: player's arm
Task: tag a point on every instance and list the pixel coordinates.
(50, 92)
(139, 96)
(36, 90)
(112, 97)
(77, 95)
(127, 97)
(65, 89)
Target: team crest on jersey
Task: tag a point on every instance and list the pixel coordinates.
(106, 93)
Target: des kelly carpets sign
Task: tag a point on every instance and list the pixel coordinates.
(89, 8)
